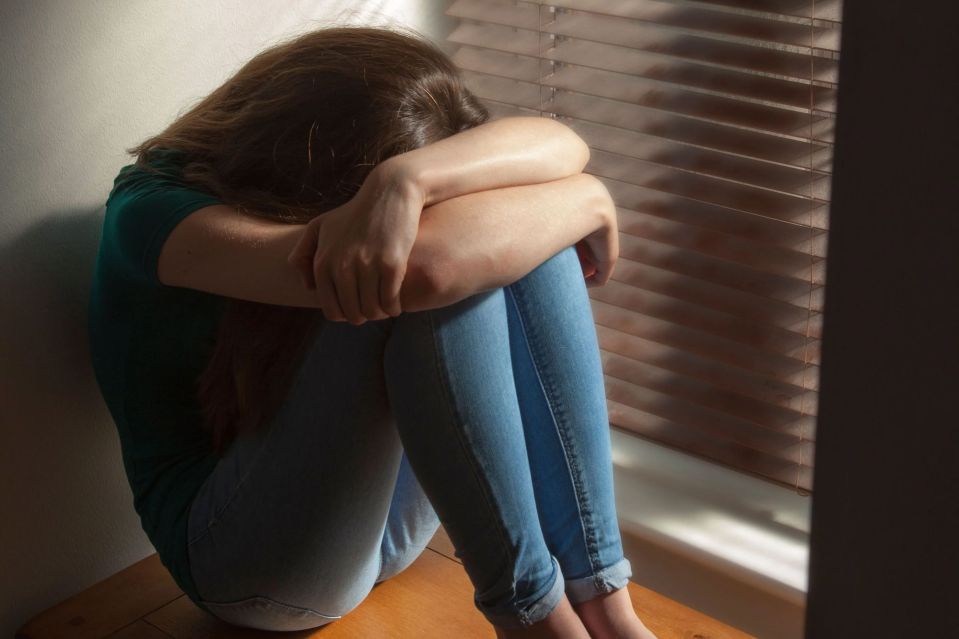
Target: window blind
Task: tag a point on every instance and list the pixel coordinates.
(711, 123)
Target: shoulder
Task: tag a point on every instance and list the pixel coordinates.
(162, 169)
(146, 202)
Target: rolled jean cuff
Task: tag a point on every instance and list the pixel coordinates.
(534, 612)
(606, 580)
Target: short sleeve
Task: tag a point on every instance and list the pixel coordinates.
(141, 211)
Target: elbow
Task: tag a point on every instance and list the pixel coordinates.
(581, 153)
(575, 150)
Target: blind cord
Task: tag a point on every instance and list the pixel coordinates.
(812, 101)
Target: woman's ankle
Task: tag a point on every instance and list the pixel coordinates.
(561, 623)
(611, 616)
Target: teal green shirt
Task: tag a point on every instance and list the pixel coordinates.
(149, 343)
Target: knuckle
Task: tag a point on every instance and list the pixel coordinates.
(365, 259)
(388, 264)
(391, 257)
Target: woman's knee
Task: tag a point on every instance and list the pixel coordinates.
(559, 271)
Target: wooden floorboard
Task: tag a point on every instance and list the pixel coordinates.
(108, 605)
(139, 630)
(426, 601)
(665, 617)
(432, 599)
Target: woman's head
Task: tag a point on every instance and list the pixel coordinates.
(296, 130)
(293, 134)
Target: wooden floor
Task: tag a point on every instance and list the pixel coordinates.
(432, 599)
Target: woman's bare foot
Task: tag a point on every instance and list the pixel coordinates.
(611, 616)
(561, 623)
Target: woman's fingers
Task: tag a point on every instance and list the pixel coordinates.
(326, 291)
(585, 259)
(602, 254)
(391, 281)
(348, 292)
(369, 287)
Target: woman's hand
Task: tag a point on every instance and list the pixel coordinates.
(355, 255)
(599, 250)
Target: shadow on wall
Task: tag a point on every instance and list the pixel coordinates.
(53, 421)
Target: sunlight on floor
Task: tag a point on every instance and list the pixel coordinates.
(748, 529)
(740, 543)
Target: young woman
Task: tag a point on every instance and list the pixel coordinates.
(336, 305)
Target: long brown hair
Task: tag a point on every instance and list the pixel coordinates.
(290, 135)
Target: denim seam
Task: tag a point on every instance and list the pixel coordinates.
(254, 600)
(445, 373)
(542, 606)
(557, 412)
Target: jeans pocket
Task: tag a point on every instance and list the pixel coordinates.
(263, 613)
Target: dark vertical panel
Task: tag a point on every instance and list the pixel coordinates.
(885, 515)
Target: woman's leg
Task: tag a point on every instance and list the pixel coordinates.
(559, 381)
(524, 504)
(450, 384)
(411, 524)
(296, 523)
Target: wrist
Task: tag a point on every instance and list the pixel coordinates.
(401, 177)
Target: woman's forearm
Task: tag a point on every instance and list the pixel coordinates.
(492, 238)
(510, 151)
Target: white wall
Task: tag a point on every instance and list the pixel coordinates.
(79, 82)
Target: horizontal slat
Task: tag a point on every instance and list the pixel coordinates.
(761, 425)
(786, 369)
(779, 62)
(725, 220)
(705, 20)
(632, 119)
(711, 190)
(676, 98)
(765, 441)
(819, 9)
(723, 377)
(756, 255)
(784, 61)
(778, 177)
(770, 346)
(749, 309)
(648, 93)
(692, 441)
(797, 292)
(503, 44)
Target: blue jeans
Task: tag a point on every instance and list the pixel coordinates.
(488, 415)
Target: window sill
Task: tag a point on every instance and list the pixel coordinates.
(749, 529)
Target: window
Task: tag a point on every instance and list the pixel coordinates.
(710, 122)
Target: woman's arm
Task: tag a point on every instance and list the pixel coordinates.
(356, 259)
(490, 239)
(506, 152)
(464, 245)
(217, 249)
